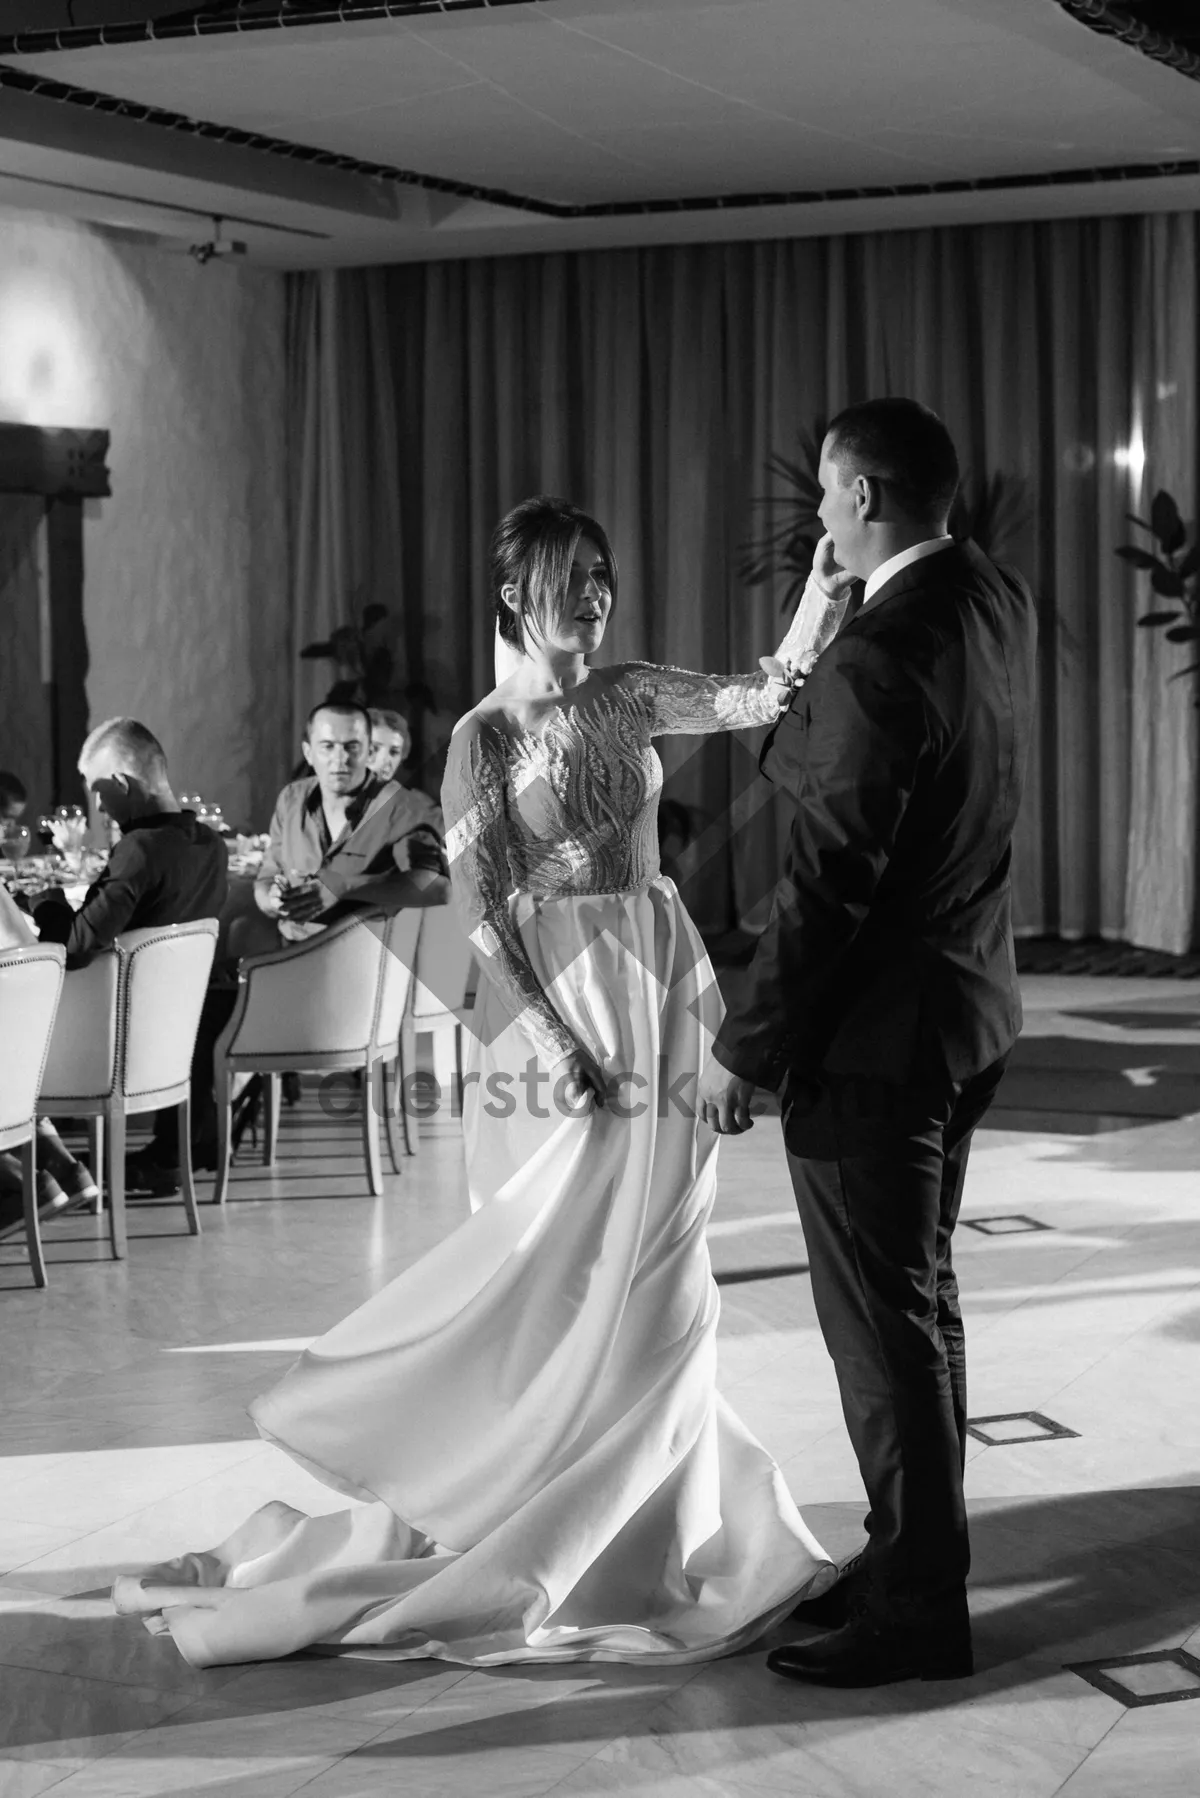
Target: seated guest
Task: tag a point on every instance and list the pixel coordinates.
(164, 868)
(13, 799)
(390, 743)
(342, 841)
(346, 840)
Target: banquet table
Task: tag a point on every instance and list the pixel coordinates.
(35, 873)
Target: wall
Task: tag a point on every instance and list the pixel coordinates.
(186, 582)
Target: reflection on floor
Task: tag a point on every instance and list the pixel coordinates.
(125, 1439)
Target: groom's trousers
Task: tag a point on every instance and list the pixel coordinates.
(878, 1172)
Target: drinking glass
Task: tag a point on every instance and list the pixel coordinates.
(14, 842)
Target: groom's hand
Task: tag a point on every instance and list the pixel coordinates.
(723, 1100)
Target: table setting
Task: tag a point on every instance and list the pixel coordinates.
(60, 855)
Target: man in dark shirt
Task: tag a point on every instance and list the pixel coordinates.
(164, 868)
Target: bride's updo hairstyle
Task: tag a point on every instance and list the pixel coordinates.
(533, 550)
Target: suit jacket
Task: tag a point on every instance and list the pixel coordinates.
(889, 953)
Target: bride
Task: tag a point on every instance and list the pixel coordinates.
(530, 1413)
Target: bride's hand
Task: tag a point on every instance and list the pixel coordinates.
(580, 1079)
(785, 677)
(828, 572)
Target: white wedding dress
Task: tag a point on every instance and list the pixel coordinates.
(531, 1411)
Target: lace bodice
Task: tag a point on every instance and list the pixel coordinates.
(572, 809)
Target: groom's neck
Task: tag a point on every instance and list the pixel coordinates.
(892, 539)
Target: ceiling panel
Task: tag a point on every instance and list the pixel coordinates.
(618, 102)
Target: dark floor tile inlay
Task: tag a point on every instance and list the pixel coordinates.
(1010, 1224)
(1165, 1677)
(1045, 1429)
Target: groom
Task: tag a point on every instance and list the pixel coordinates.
(884, 994)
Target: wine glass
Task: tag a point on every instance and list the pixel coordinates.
(14, 843)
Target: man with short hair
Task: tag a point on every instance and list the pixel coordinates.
(164, 868)
(344, 839)
(884, 993)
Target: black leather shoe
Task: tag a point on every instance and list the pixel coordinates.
(146, 1178)
(832, 1609)
(867, 1653)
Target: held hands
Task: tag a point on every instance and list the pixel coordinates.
(301, 903)
(723, 1100)
(580, 1078)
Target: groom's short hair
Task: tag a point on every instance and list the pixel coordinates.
(903, 444)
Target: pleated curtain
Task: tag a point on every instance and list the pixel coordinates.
(651, 385)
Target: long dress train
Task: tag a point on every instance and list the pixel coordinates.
(530, 1412)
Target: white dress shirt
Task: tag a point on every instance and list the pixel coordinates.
(916, 552)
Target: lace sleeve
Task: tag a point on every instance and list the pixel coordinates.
(473, 800)
(677, 701)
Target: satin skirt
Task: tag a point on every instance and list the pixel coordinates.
(529, 1415)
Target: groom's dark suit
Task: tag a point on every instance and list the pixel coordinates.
(884, 991)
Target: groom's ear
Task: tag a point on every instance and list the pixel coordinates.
(868, 495)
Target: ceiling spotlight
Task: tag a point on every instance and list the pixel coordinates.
(216, 245)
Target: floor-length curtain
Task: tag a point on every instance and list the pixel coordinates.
(651, 385)
(344, 468)
(1162, 889)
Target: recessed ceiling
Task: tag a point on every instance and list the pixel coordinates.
(557, 123)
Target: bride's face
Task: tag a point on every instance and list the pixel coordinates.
(583, 617)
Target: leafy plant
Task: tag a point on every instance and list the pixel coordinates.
(991, 510)
(364, 664)
(788, 541)
(1174, 575)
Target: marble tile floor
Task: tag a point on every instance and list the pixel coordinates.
(125, 1439)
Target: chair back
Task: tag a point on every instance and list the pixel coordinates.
(446, 971)
(165, 973)
(82, 1063)
(31, 981)
(401, 945)
(321, 997)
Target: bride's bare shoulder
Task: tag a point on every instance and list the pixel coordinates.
(491, 717)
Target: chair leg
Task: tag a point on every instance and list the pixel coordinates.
(391, 1111)
(187, 1183)
(95, 1131)
(372, 1098)
(224, 1096)
(446, 1057)
(407, 1066)
(115, 1159)
(33, 1234)
(270, 1093)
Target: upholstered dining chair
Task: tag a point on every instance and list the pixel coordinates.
(31, 978)
(122, 1045)
(443, 994)
(330, 1002)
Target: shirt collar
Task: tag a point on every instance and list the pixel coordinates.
(916, 552)
(356, 804)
